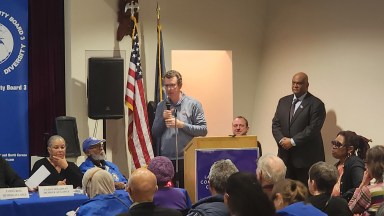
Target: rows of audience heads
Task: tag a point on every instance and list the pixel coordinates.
(332, 189)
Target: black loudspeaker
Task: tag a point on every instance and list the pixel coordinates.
(67, 128)
(105, 88)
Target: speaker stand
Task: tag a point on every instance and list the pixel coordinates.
(105, 134)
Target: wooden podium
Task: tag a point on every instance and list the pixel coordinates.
(214, 143)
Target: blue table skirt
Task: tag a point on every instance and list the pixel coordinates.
(34, 205)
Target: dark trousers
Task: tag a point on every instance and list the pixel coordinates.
(300, 174)
(178, 179)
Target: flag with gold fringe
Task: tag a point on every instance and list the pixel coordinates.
(139, 140)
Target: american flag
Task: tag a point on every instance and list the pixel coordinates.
(139, 140)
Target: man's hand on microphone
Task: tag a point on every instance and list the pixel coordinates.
(171, 123)
(167, 114)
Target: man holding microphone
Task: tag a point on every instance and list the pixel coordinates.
(178, 119)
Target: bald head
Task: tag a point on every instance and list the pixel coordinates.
(300, 84)
(142, 185)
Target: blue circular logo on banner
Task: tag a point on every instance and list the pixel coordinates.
(13, 43)
(6, 43)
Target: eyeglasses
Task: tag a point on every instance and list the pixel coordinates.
(170, 86)
(337, 144)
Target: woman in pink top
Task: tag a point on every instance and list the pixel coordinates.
(368, 197)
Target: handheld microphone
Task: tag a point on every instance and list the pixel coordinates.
(168, 104)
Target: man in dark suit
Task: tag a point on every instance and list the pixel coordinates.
(142, 186)
(296, 128)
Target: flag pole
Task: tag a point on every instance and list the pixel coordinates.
(139, 140)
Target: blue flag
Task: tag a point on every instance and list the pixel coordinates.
(160, 66)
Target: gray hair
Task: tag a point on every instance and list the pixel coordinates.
(272, 167)
(53, 138)
(219, 173)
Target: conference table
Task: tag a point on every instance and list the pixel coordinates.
(34, 205)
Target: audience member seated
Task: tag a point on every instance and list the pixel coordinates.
(290, 196)
(350, 167)
(142, 188)
(98, 184)
(8, 177)
(367, 198)
(240, 128)
(94, 149)
(166, 195)
(270, 169)
(245, 197)
(217, 180)
(322, 179)
(62, 171)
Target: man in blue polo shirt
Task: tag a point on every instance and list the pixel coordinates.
(94, 149)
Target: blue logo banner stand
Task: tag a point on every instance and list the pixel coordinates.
(14, 145)
(244, 159)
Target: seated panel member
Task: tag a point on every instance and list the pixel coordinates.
(93, 148)
(8, 177)
(240, 128)
(62, 171)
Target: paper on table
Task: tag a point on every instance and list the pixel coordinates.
(39, 176)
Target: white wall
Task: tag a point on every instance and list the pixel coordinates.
(187, 25)
(339, 44)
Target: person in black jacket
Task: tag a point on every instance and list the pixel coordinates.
(245, 197)
(214, 205)
(322, 178)
(350, 149)
(8, 177)
(62, 171)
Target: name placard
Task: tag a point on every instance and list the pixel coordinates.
(13, 193)
(55, 191)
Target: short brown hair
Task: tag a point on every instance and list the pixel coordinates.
(242, 117)
(172, 73)
(292, 191)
